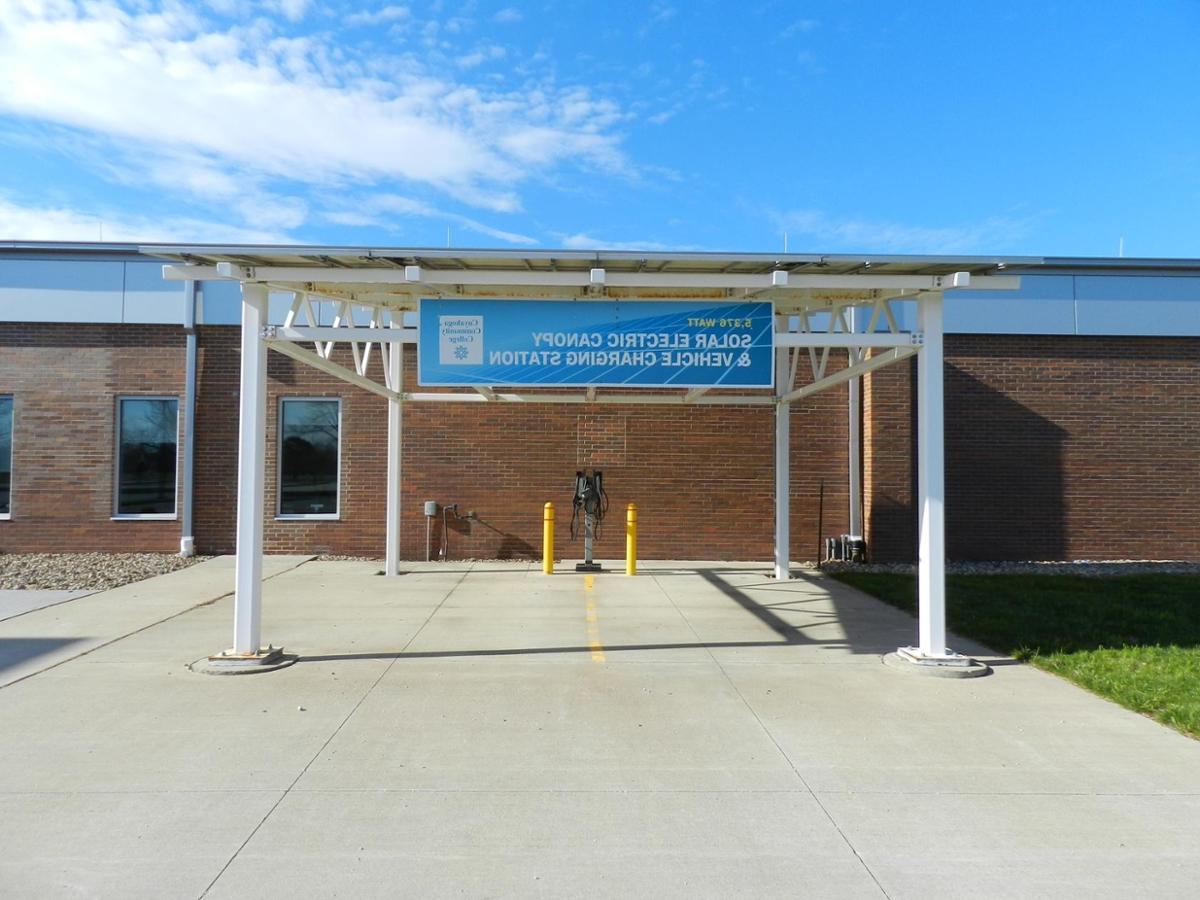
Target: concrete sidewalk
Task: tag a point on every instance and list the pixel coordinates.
(18, 602)
(39, 635)
(484, 730)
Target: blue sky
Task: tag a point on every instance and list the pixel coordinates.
(925, 127)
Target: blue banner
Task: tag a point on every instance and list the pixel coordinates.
(606, 343)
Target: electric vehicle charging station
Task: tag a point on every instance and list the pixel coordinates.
(592, 501)
(694, 328)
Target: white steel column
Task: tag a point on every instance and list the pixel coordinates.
(931, 482)
(855, 446)
(783, 412)
(252, 442)
(187, 534)
(394, 460)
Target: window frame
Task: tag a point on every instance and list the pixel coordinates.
(117, 515)
(302, 517)
(12, 452)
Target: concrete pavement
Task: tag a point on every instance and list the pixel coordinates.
(47, 628)
(479, 729)
(18, 602)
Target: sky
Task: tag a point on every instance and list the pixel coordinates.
(1022, 128)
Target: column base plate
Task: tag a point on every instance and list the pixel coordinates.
(951, 665)
(230, 662)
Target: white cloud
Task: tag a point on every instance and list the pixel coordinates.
(244, 102)
(662, 12)
(988, 235)
(509, 237)
(203, 180)
(292, 9)
(58, 223)
(382, 209)
(800, 26)
(583, 241)
(508, 16)
(658, 13)
(480, 56)
(379, 16)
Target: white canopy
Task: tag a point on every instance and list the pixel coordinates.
(823, 304)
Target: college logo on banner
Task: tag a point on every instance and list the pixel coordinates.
(605, 343)
(460, 340)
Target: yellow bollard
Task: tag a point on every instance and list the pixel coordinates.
(548, 539)
(631, 539)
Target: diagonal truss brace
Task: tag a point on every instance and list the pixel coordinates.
(302, 324)
(317, 361)
(860, 368)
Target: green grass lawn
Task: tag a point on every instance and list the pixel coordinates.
(1134, 639)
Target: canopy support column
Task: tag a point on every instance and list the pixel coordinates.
(931, 655)
(783, 412)
(247, 648)
(855, 446)
(394, 458)
(931, 481)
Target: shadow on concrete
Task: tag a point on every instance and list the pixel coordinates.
(764, 614)
(866, 623)
(565, 567)
(16, 651)
(534, 651)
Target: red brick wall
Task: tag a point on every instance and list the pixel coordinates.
(363, 463)
(703, 477)
(888, 486)
(65, 380)
(1056, 448)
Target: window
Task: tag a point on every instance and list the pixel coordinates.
(6, 433)
(308, 457)
(147, 433)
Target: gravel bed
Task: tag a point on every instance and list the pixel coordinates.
(1101, 568)
(84, 571)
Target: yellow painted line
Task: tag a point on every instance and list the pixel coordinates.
(593, 626)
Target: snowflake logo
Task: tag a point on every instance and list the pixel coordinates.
(460, 352)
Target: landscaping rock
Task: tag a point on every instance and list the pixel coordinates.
(84, 571)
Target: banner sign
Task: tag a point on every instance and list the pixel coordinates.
(606, 343)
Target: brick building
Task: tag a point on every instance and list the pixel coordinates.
(1072, 420)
